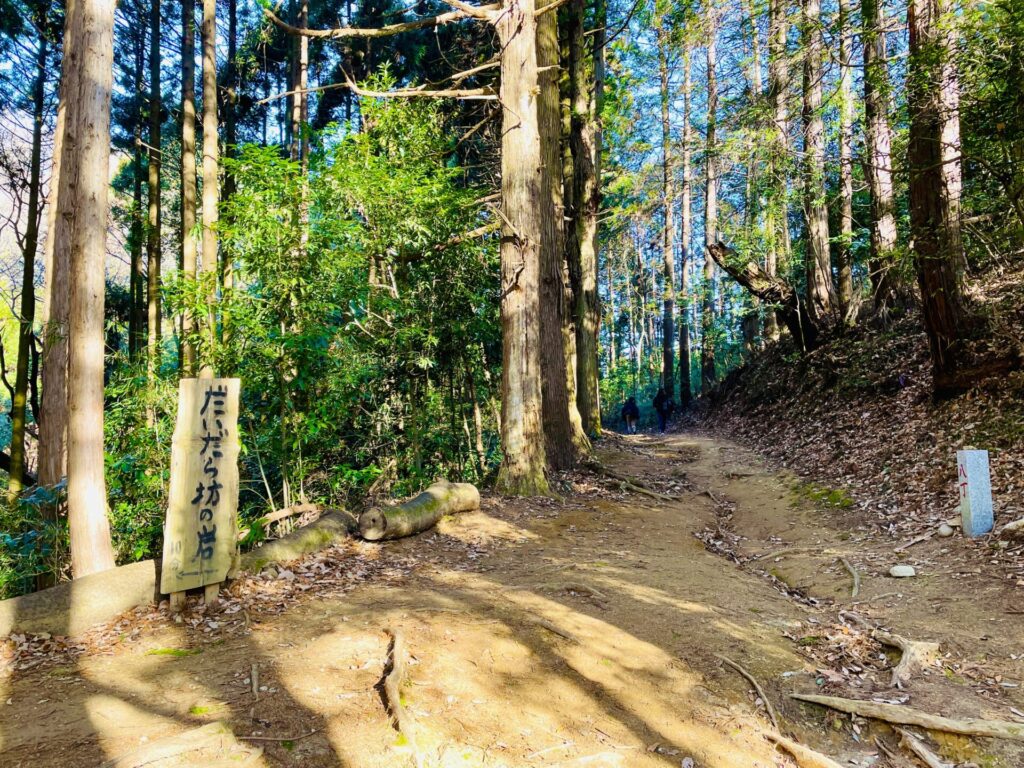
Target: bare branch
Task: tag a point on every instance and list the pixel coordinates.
(387, 30)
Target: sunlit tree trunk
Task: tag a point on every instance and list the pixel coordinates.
(28, 288)
(188, 173)
(85, 163)
(136, 277)
(776, 219)
(878, 151)
(685, 233)
(933, 154)
(752, 207)
(211, 164)
(818, 258)
(707, 347)
(668, 232)
(563, 427)
(153, 310)
(586, 95)
(843, 252)
(522, 470)
(231, 139)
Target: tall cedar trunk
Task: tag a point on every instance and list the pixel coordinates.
(878, 148)
(818, 260)
(668, 233)
(522, 470)
(211, 162)
(933, 156)
(751, 206)
(586, 96)
(28, 288)
(613, 341)
(53, 424)
(136, 278)
(153, 232)
(707, 346)
(685, 235)
(776, 213)
(85, 163)
(560, 432)
(230, 139)
(188, 173)
(844, 258)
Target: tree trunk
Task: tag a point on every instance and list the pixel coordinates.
(419, 513)
(211, 163)
(844, 256)
(707, 346)
(563, 436)
(751, 206)
(668, 233)
(776, 213)
(28, 283)
(522, 470)
(818, 260)
(188, 174)
(586, 154)
(153, 232)
(933, 155)
(86, 153)
(877, 147)
(685, 234)
(136, 279)
(230, 139)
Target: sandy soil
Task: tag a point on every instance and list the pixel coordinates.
(586, 631)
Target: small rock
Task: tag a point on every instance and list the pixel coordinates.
(902, 571)
(687, 762)
(945, 531)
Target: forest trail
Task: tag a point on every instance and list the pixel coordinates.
(580, 632)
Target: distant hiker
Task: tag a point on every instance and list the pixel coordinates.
(664, 406)
(630, 415)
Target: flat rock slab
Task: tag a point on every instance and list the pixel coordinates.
(211, 746)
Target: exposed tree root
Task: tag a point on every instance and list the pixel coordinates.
(805, 756)
(394, 678)
(856, 577)
(917, 747)
(757, 687)
(900, 715)
(556, 630)
(634, 485)
(915, 654)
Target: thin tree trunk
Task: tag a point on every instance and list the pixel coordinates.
(818, 259)
(668, 233)
(188, 174)
(844, 256)
(153, 232)
(751, 207)
(878, 148)
(587, 98)
(522, 469)
(686, 233)
(28, 288)
(776, 214)
(707, 350)
(136, 279)
(230, 140)
(86, 153)
(562, 435)
(933, 154)
(211, 163)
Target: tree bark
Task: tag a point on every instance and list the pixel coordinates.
(136, 278)
(686, 233)
(668, 231)
(522, 470)
(86, 153)
(844, 255)
(776, 213)
(28, 286)
(933, 155)
(878, 147)
(707, 349)
(153, 310)
(230, 139)
(818, 260)
(188, 174)
(586, 100)
(562, 435)
(419, 513)
(211, 163)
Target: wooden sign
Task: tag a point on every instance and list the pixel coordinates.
(975, 486)
(199, 532)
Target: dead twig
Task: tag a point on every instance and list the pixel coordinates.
(856, 577)
(281, 738)
(916, 540)
(757, 687)
(556, 630)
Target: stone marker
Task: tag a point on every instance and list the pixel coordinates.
(199, 534)
(975, 492)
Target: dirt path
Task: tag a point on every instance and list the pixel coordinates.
(585, 632)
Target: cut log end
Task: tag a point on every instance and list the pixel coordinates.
(419, 513)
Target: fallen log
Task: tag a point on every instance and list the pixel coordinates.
(419, 513)
(900, 715)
